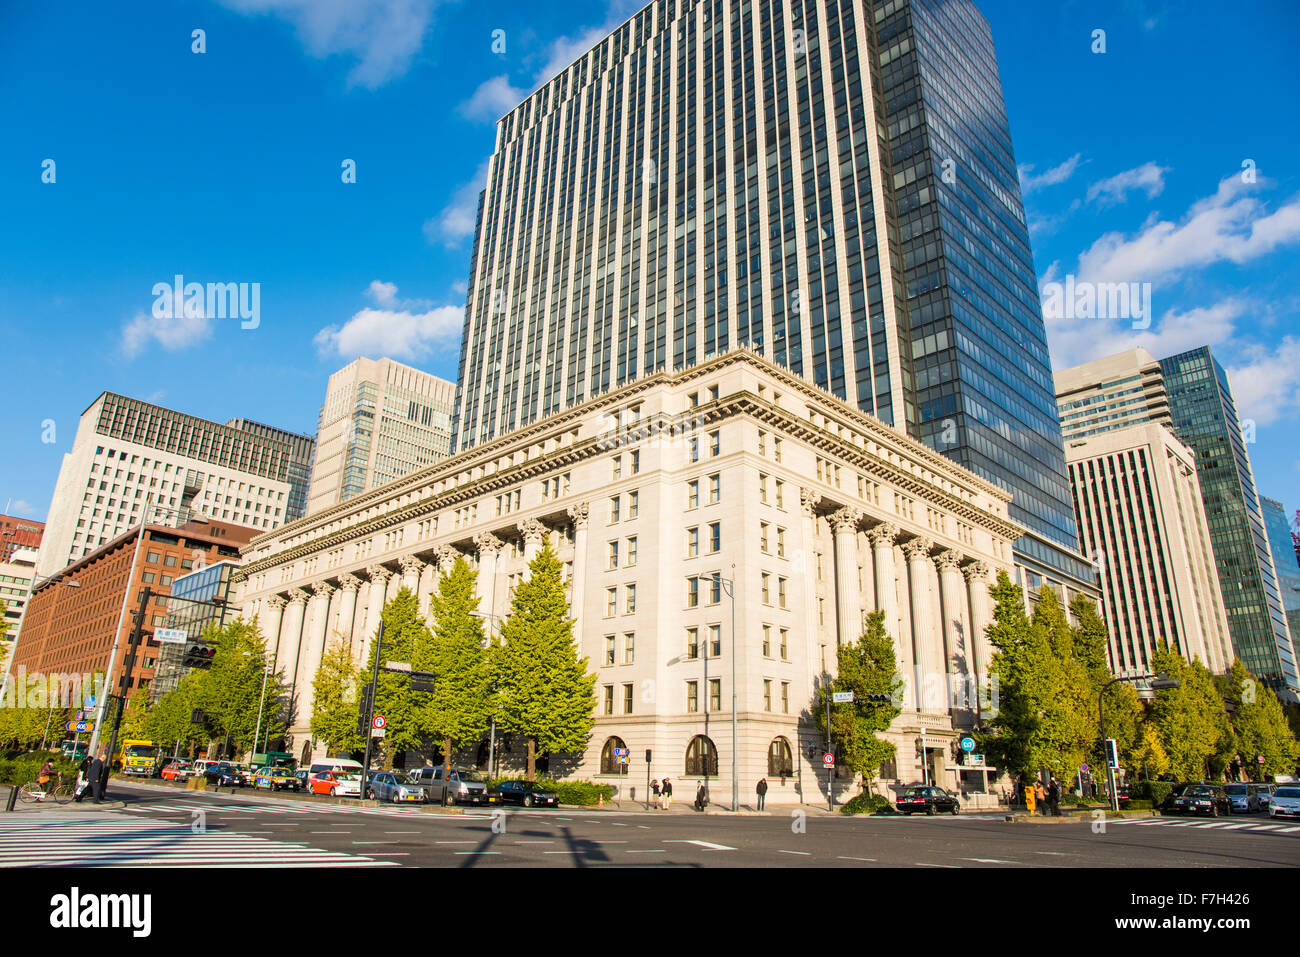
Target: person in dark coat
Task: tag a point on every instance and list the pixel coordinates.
(762, 791)
(701, 797)
(667, 790)
(96, 773)
(1054, 798)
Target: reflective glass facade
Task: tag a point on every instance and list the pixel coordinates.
(831, 183)
(1205, 418)
(1285, 562)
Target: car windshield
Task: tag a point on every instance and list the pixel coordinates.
(1199, 792)
(403, 778)
(914, 792)
(347, 777)
(1235, 789)
(1287, 793)
(472, 776)
(140, 751)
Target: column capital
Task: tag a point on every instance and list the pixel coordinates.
(349, 582)
(446, 557)
(949, 560)
(976, 572)
(322, 589)
(297, 596)
(410, 565)
(276, 601)
(487, 543)
(917, 548)
(845, 519)
(883, 534)
(578, 515)
(808, 500)
(532, 530)
(378, 573)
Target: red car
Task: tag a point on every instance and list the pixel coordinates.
(340, 783)
(176, 771)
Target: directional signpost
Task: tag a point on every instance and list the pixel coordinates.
(842, 697)
(80, 727)
(172, 636)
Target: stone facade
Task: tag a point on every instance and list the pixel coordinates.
(657, 496)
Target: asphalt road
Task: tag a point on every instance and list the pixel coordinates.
(167, 826)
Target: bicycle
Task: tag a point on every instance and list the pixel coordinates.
(33, 792)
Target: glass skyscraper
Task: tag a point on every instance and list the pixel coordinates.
(1204, 416)
(829, 183)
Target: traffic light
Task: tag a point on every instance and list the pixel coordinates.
(1112, 753)
(878, 698)
(363, 724)
(367, 703)
(199, 655)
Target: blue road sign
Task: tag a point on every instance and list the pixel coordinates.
(968, 744)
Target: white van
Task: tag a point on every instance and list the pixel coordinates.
(335, 764)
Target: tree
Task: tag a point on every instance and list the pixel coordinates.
(406, 639)
(168, 721)
(335, 706)
(1091, 640)
(231, 691)
(545, 691)
(459, 707)
(1259, 724)
(1149, 754)
(867, 668)
(1189, 719)
(135, 717)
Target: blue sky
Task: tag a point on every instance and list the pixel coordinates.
(226, 166)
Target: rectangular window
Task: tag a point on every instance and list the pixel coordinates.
(609, 699)
(611, 601)
(629, 648)
(692, 697)
(692, 542)
(780, 543)
(762, 489)
(615, 504)
(151, 558)
(715, 694)
(785, 644)
(636, 462)
(776, 447)
(785, 697)
(767, 694)
(633, 504)
(715, 536)
(715, 489)
(693, 450)
(627, 699)
(613, 554)
(780, 488)
(715, 640)
(692, 643)
(609, 649)
(780, 592)
(618, 466)
(692, 593)
(715, 443)
(631, 599)
(767, 641)
(767, 589)
(762, 536)
(715, 589)
(631, 550)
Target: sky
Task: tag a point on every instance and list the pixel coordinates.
(1163, 151)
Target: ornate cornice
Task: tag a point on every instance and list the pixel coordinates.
(532, 531)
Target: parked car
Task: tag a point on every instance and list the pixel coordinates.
(276, 779)
(304, 778)
(201, 766)
(1244, 797)
(525, 794)
(467, 785)
(1203, 799)
(931, 800)
(225, 773)
(1265, 792)
(177, 771)
(396, 787)
(337, 784)
(1285, 802)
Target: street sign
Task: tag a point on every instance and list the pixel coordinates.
(974, 760)
(1083, 769)
(828, 760)
(967, 744)
(398, 666)
(173, 636)
(91, 701)
(81, 716)
(81, 727)
(378, 722)
(841, 697)
(622, 758)
(620, 752)
(1260, 759)
(378, 733)
(1112, 753)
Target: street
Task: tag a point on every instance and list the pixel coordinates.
(163, 826)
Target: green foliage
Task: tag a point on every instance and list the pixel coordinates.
(335, 702)
(1137, 804)
(135, 717)
(168, 721)
(24, 767)
(1149, 755)
(406, 638)
(27, 727)
(230, 691)
(1259, 725)
(544, 689)
(1091, 641)
(1194, 732)
(867, 668)
(865, 803)
(1157, 792)
(458, 710)
(575, 793)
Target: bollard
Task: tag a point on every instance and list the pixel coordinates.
(12, 799)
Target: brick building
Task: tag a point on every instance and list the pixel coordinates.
(16, 533)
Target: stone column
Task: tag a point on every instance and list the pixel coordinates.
(427, 583)
(489, 547)
(379, 577)
(534, 533)
(271, 624)
(291, 637)
(805, 567)
(927, 639)
(981, 616)
(348, 586)
(317, 635)
(577, 591)
(848, 603)
(956, 630)
(411, 568)
(882, 547)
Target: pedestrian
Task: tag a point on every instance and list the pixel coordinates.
(1040, 795)
(701, 796)
(1030, 795)
(667, 788)
(654, 789)
(762, 791)
(45, 776)
(1054, 798)
(96, 772)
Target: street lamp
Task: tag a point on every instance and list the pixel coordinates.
(728, 586)
(1158, 683)
(492, 732)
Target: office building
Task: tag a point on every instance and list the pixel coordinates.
(1142, 521)
(381, 420)
(651, 492)
(302, 452)
(1285, 560)
(16, 533)
(831, 184)
(1190, 394)
(129, 453)
(196, 602)
(15, 579)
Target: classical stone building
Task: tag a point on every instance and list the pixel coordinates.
(656, 495)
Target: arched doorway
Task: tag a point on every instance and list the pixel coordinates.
(608, 759)
(780, 758)
(701, 757)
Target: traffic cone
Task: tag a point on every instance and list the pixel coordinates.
(601, 801)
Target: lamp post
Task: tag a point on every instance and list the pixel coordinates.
(492, 732)
(1158, 683)
(728, 586)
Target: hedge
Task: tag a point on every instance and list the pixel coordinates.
(24, 768)
(575, 793)
(868, 804)
(1159, 793)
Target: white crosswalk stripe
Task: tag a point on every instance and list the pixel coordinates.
(98, 840)
(269, 807)
(1229, 825)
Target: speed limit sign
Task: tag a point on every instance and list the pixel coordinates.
(378, 722)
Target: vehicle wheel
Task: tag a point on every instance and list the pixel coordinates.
(528, 800)
(955, 808)
(332, 790)
(929, 809)
(30, 793)
(1214, 810)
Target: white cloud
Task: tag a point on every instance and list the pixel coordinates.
(458, 218)
(1229, 226)
(399, 329)
(1148, 177)
(172, 334)
(383, 36)
(492, 100)
(1057, 174)
(21, 508)
(1073, 341)
(1266, 381)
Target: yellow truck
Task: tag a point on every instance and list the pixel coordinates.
(137, 757)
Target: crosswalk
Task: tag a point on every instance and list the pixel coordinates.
(98, 840)
(1222, 825)
(268, 807)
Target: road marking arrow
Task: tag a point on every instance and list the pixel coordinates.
(707, 845)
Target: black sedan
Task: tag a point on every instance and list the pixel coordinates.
(526, 794)
(1203, 799)
(930, 800)
(226, 774)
